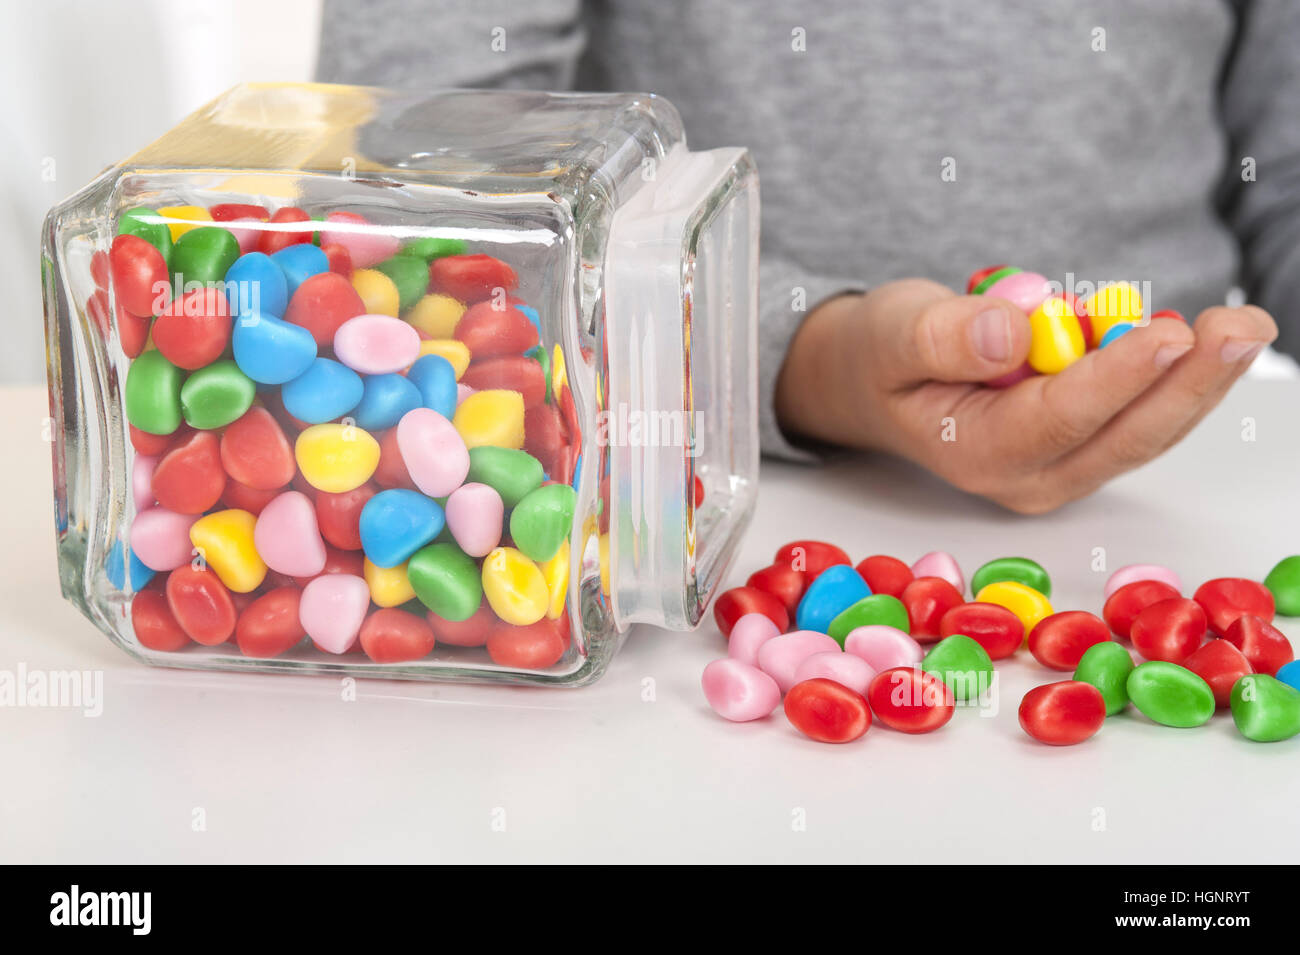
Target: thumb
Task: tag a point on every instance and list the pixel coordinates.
(965, 338)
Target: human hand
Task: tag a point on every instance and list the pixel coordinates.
(900, 368)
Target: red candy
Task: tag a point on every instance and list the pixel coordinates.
(1265, 646)
(1062, 714)
(269, 625)
(885, 575)
(194, 330)
(338, 562)
(1059, 641)
(339, 516)
(979, 276)
(230, 211)
(201, 605)
(1220, 664)
(738, 601)
(471, 632)
(189, 478)
(782, 582)
(246, 498)
(470, 278)
(391, 471)
(339, 259)
(512, 373)
(544, 436)
(272, 241)
(927, 599)
(533, 647)
(256, 453)
(140, 276)
(151, 444)
(698, 489)
(154, 625)
(395, 636)
(1169, 630)
(995, 628)
(810, 557)
(827, 711)
(910, 701)
(488, 331)
(322, 303)
(1227, 598)
(1130, 600)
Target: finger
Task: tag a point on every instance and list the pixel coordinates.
(967, 338)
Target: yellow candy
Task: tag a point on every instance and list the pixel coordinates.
(377, 291)
(514, 587)
(454, 351)
(559, 372)
(491, 417)
(389, 586)
(190, 214)
(1025, 602)
(556, 573)
(602, 550)
(1057, 338)
(336, 457)
(435, 316)
(225, 539)
(1111, 305)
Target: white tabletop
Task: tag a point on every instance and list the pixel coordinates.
(190, 767)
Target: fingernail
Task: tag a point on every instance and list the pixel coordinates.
(1166, 355)
(992, 333)
(1240, 350)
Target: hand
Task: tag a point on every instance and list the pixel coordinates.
(899, 370)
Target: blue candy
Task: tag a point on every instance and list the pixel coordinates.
(1116, 331)
(325, 391)
(836, 589)
(385, 399)
(300, 262)
(255, 283)
(1289, 673)
(436, 380)
(117, 571)
(396, 523)
(531, 314)
(270, 350)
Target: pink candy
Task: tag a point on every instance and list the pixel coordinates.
(1134, 572)
(738, 691)
(780, 657)
(844, 668)
(332, 609)
(937, 563)
(376, 344)
(1025, 290)
(142, 480)
(750, 632)
(882, 647)
(287, 537)
(433, 451)
(366, 244)
(475, 514)
(161, 538)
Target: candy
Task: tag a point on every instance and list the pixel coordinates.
(256, 285)
(409, 275)
(782, 582)
(885, 575)
(909, 700)
(203, 255)
(810, 557)
(384, 400)
(983, 280)
(332, 609)
(376, 344)
(456, 354)
(285, 230)
(556, 574)
(1134, 572)
(962, 664)
(943, 565)
(927, 599)
(780, 657)
(1170, 694)
(433, 452)
(883, 648)
(216, 395)
(270, 625)
(1266, 647)
(142, 469)
(1060, 640)
(827, 712)
(367, 244)
(475, 515)
(511, 473)
(389, 586)
(748, 634)
(1025, 290)
(1123, 606)
(299, 263)
(1289, 673)
(1116, 332)
(193, 330)
(1265, 709)
(994, 628)
(225, 539)
(255, 452)
(843, 668)
(435, 380)
(182, 219)
(189, 478)
(1056, 338)
(491, 418)
(395, 636)
(287, 536)
(394, 524)
(325, 391)
(833, 591)
(873, 610)
(339, 516)
(511, 373)
(153, 394)
(271, 351)
(447, 581)
(1107, 667)
(533, 647)
(431, 247)
(124, 569)
(161, 538)
(322, 304)
(1283, 582)
(155, 627)
(474, 631)
(1169, 630)
(489, 331)
(514, 587)
(140, 276)
(471, 278)
(543, 520)
(435, 316)
(739, 691)
(379, 296)
(1220, 664)
(144, 223)
(1110, 305)
(1227, 598)
(201, 605)
(1019, 569)
(1062, 714)
(336, 457)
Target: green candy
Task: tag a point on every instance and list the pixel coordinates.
(446, 580)
(1283, 582)
(216, 395)
(1170, 694)
(1265, 709)
(512, 474)
(539, 355)
(875, 609)
(204, 255)
(153, 394)
(1107, 666)
(961, 664)
(542, 521)
(410, 275)
(988, 283)
(1022, 570)
(132, 222)
(431, 247)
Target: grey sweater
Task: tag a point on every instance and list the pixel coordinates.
(1154, 141)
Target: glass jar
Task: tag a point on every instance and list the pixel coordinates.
(258, 467)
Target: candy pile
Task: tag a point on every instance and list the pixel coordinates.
(858, 646)
(1062, 326)
(338, 436)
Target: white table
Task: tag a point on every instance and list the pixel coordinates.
(223, 768)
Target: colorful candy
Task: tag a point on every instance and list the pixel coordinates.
(216, 394)
(1107, 666)
(201, 605)
(1283, 582)
(940, 564)
(1135, 572)
(1111, 305)
(927, 599)
(1170, 694)
(1170, 630)
(1056, 337)
(270, 625)
(842, 668)
(1022, 570)
(827, 711)
(872, 610)
(832, 592)
(396, 523)
(1227, 598)
(225, 539)
(782, 582)
(780, 657)
(1062, 714)
(332, 609)
(739, 691)
(810, 557)
(962, 664)
(336, 457)
(1265, 709)
(910, 700)
(1060, 640)
(884, 648)
(1220, 664)
(1123, 606)
(749, 633)
(1028, 604)
(1266, 647)
(735, 603)
(885, 575)
(447, 581)
(993, 627)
